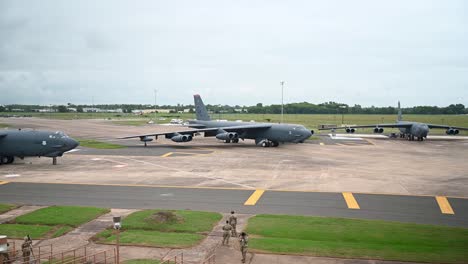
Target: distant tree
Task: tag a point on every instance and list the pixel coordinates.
(79, 109)
(2, 108)
(62, 109)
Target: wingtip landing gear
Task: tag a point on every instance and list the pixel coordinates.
(54, 160)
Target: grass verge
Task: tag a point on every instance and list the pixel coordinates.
(61, 215)
(163, 228)
(20, 231)
(141, 122)
(6, 207)
(91, 143)
(151, 238)
(352, 238)
(3, 125)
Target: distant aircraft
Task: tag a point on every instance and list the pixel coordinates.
(32, 143)
(264, 134)
(408, 129)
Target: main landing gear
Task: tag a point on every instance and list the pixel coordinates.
(6, 160)
(268, 143)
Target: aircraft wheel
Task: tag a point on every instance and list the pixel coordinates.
(10, 160)
(265, 144)
(3, 160)
(274, 144)
(235, 140)
(227, 141)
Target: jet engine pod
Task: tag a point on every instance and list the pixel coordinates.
(227, 136)
(378, 130)
(452, 131)
(182, 138)
(312, 132)
(146, 139)
(350, 130)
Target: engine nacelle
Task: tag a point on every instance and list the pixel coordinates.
(146, 139)
(350, 130)
(312, 132)
(378, 130)
(227, 136)
(182, 138)
(452, 131)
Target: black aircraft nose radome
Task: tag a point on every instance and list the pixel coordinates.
(72, 143)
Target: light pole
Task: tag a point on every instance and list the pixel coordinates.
(117, 227)
(342, 113)
(282, 104)
(155, 103)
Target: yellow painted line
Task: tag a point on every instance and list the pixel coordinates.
(350, 201)
(444, 205)
(322, 144)
(167, 154)
(3, 182)
(253, 199)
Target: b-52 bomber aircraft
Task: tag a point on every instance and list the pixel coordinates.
(264, 134)
(408, 129)
(32, 143)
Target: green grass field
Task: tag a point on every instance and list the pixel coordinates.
(309, 120)
(163, 228)
(192, 221)
(6, 207)
(152, 238)
(61, 215)
(91, 143)
(20, 231)
(351, 238)
(3, 125)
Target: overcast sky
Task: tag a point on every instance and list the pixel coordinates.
(234, 52)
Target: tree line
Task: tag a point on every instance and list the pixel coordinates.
(292, 108)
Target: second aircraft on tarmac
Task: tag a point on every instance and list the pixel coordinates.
(264, 134)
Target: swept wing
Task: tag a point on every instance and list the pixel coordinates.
(237, 129)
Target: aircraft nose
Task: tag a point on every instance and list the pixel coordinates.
(73, 143)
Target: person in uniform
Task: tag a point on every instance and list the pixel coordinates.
(233, 223)
(227, 233)
(26, 249)
(244, 244)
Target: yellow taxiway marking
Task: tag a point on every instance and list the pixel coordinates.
(322, 144)
(350, 201)
(3, 182)
(444, 205)
(167, 154)
(253, 199)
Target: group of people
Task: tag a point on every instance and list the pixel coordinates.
(230, 230)
(26, 249)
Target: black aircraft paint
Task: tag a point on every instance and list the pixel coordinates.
(32, 143)
(264, 134)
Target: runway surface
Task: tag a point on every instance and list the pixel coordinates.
(416, 209)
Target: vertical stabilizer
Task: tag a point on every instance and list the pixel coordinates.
(400, 117)
(200, 109)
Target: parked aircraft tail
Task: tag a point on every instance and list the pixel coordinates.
(202, 113)
(400, 117)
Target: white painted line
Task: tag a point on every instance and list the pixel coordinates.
(120, 166)
(96, 159)
(12, 175)
(345, 138)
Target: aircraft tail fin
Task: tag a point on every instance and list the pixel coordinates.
(200, 108)
(400, 117)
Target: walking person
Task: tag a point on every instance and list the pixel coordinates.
(26, 249)
(244, 244)
(233, 223)
(227, 233)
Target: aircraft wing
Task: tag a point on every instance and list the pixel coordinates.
(394, 125)
(446, 127)
(193, 131)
